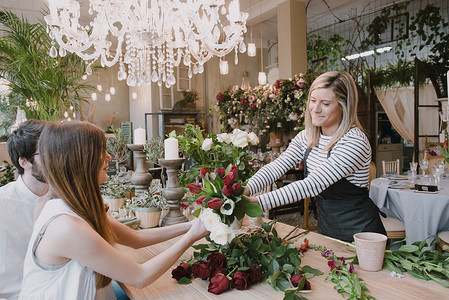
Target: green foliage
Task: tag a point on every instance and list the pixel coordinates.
(117, 146)
(154, 149)
(7, 173)
(115, 187)
(221, 154)
(45, 87)
(189, 96)
(420, 261)
(278, 258)
(324, 55)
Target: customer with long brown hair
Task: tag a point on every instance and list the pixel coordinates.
(71, 252)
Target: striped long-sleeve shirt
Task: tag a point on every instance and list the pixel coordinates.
(349, 158)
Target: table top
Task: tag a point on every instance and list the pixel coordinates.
(381, 284)
(423, 214)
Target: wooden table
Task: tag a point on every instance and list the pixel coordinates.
(381, 284)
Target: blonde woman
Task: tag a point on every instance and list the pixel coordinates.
(71, 253)
(336, 155)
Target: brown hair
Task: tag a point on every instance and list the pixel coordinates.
(345, 89)
(72, 155)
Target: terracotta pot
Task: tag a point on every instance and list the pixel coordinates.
(276, 140)
(114, 203)
(370, 247)
(148, 216)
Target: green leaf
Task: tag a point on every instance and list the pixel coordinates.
(309, 270)
(408, 248)
(251, 209)
(273, 266)
(287, 268)
(295, 259)
(197, 212)
(283, 284)
(184, 280)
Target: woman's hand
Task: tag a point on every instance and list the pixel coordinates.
(253, 199)
(246, 192)
(198, 230)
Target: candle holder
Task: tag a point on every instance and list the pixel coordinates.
(141, 178)
(173, 193)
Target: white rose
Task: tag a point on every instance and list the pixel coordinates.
(221, 234)
(209, 218)
(207, 144)
(223, 137)
(292, 116)
(240, 139)
(253, 139)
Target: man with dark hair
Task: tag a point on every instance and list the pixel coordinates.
(19, 203)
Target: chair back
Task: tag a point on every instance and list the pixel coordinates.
(389, 167)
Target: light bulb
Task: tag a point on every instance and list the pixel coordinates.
(99, 87)
(94, 96)
(224, 67)
(112, 90)
(251, 49)
(84, 77)
(262, 78)
(134, 96)
(107, 97)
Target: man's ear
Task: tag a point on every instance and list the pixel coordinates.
(24, 163)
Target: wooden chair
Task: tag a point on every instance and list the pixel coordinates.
(389, 167)
(444, 240)
(395, 228)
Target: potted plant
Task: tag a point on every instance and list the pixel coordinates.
(115, 192)
(188, 100)
(117, 146)
(154, 150)
(148, 206)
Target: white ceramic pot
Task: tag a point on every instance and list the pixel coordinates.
(148, 216)
(114, 203)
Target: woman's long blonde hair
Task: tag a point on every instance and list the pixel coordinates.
(345, 89)
(72, 155)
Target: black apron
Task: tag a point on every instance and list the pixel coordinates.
(345, 209)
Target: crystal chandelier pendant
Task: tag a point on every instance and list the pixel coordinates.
(147, 37)
(224, 67)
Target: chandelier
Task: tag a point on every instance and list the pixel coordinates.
(148, 38)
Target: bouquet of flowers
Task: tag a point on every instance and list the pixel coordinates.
(217, 150)
(222, 201)
(247, 260)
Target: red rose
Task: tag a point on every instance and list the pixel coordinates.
(227, 191)
(296, 279)
(194, 188)
(204, 171)
(220, 172)
(218, 284)
(254, 274)
(230, 178)
(237, 188)
(183, 270)
(200, 199)
(201, 270)
(216, 260)
(240, 280)
(215, 203)
(219, 270)
(220, 97)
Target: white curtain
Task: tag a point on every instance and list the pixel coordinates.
(399, 105)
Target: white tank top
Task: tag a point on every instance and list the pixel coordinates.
(67, 281)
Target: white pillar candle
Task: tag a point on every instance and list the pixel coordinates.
(139, 136)
(171, 148)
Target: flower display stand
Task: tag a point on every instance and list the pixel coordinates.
(141, 178)
(173, 193)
